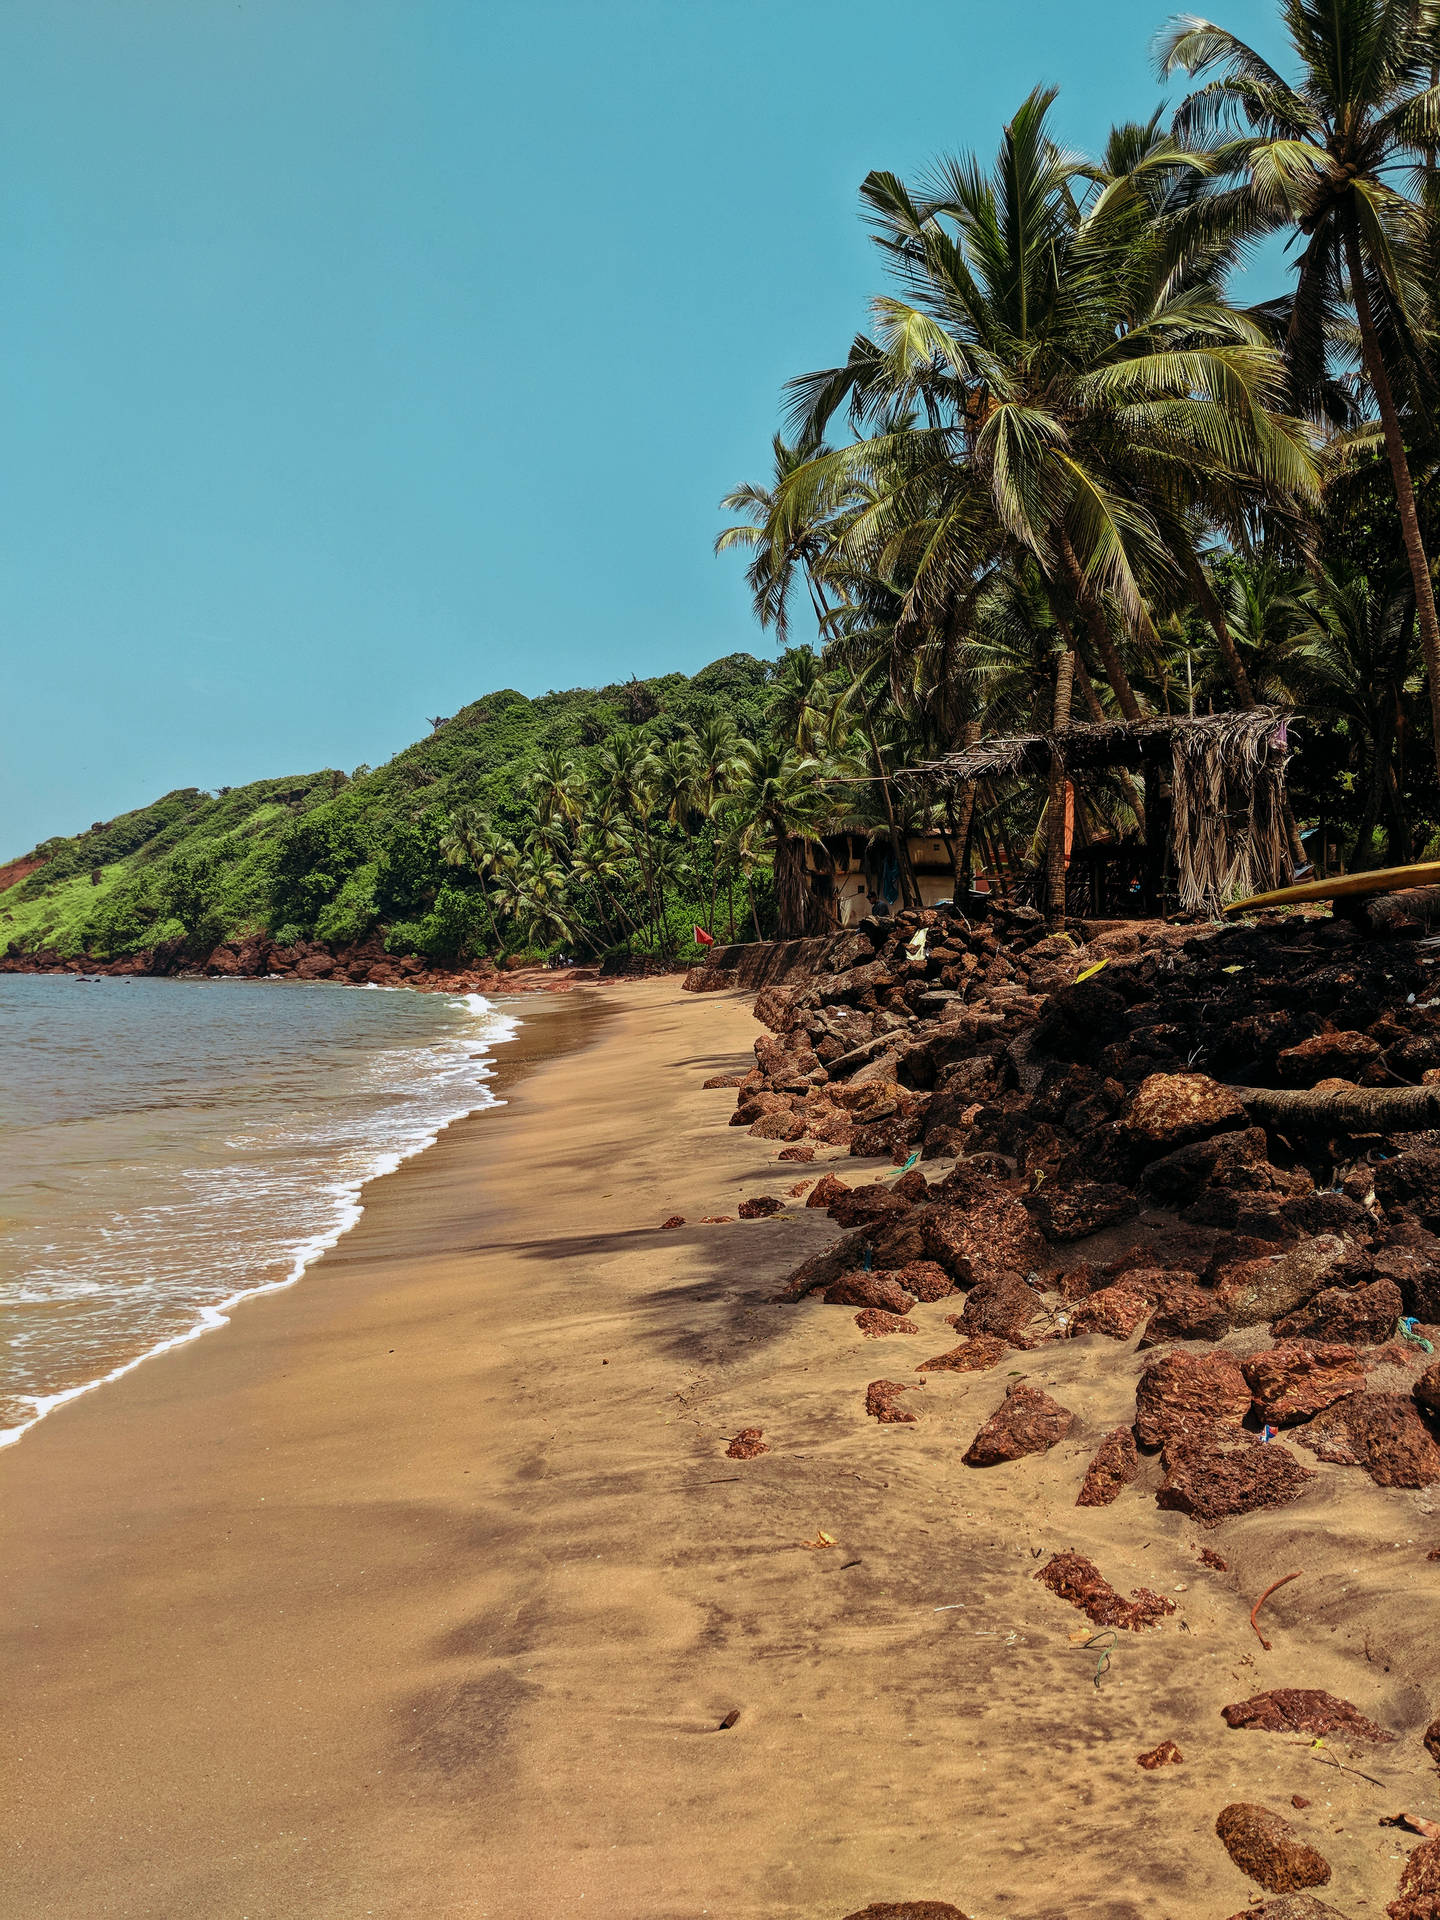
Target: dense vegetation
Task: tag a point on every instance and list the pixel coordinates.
(1067, 458)
(1067, 464)
(395, 850)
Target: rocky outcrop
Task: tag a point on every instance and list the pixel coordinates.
(1358, 1316)
(1296, 1380)
(1184, 1311)
(1115, 1464)
(908, 1910)
(861, 1289)
(1074, 1578)
(1290, 1906)
(1266, 1847)
(1215, 1475)
(1026, 1421)
(1418, 1895)
(875, 1323)
(1114, 1311)
(882, 1402)
(1385, 1433)
(976, 1355)
(761, 1207)
(1186, 1393)
(1258, 1291)
(1169, 1110)
(1073, 1213)
(1003, 1306)
(981, 1242)
(924, 1279)
(1303, 1710)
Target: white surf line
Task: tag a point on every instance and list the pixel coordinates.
(305, 1255)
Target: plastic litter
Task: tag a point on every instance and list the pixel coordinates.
(1405, 1327)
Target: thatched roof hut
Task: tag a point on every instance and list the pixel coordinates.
(1226, 779)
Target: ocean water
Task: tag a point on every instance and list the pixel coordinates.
(170, 1147)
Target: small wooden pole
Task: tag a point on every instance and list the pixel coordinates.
(1055, 810)
(965, 823)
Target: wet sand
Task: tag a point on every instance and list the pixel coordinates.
(422, 1589)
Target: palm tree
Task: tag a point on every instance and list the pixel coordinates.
(598, 862)
(471, 841)
(1354, 664)
(784, 543)
(626, 770)
(778, 790)
(715, 749)
(1069, 365)
(1315, 158)
(674, 773)
(557, 788)
(1269, 612)
(801, 705)
(532, 887)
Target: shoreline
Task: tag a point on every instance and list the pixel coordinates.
(213, 1318)
(132, 1526)
(428, 1590)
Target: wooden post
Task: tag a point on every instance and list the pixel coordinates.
(965, 822)
(1157, 827)
(1055, 810)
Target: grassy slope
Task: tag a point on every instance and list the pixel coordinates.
(332, 856)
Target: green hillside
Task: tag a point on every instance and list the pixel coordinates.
(339, 857)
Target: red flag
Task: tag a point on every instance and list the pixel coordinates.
(703, 939)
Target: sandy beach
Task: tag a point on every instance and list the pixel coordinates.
(422, 1589)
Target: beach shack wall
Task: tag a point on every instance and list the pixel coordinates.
(850, 872)
(1214, 807)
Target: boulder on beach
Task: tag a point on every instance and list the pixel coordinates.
(1073, 1577)
(1189, 1392)
(882, 1401)
(1215, 1474)
(1303, 1710)
(1265, 1846)
(1026, 1421)
(1115, 1463)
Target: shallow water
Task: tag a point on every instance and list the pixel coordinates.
(167, 1147)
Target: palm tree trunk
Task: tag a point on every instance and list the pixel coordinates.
(1214, 613)
(1055, 810)
(1099, 715)
(1400, 470)
(1100, 638)
(789, 870)
(1082, 678)
(962, 822)
(714, 874)
(909, 892)
(1364, 854)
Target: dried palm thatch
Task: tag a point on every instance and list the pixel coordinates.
(1227, 820)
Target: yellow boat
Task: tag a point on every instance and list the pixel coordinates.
(1426, 873)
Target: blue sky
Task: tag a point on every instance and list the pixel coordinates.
(360, 356)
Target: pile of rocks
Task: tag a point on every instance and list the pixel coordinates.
(361, 963)
(1111, 1179)
(1098, 1160)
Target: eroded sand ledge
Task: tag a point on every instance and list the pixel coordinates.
(422, 1589)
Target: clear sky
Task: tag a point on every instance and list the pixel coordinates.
(360, 356)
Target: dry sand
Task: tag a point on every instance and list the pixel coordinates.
(422, 1589)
